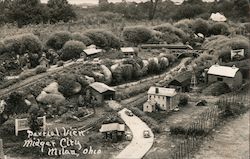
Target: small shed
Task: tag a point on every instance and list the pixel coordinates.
(92, 52)
(101, 92)
(181, 82)
(113, 131)
(230, 75)
(128, 52)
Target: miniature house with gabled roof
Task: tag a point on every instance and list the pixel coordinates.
(44, 61)
(230, 75)
(92, 52)
(161, 98)
(181, 82)
(101, 92)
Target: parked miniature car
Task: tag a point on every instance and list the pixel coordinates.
(129, 113)
(146, 134)
(176, 109)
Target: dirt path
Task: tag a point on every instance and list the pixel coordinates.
(230, 142)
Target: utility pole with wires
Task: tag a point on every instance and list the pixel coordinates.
(194, 81)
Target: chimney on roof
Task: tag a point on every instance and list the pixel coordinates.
(156, 90)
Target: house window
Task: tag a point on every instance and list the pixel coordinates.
(219, 79)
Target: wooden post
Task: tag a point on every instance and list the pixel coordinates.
(1, 149)
(16, 127)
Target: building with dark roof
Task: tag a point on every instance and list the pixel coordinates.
(181, 82)
(100, 92)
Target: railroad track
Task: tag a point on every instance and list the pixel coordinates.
(7, 91)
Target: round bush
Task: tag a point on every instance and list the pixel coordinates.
(83, 38)
(219, 28)
(72, 49)
(103, 38)
(137, 34)
(58, 39)
(169, 28)
(67, 84)
(22, 44)
(201, 26)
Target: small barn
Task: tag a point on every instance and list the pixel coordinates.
(181, 82)
(92, 53)
(230, 75)
(113, 131)
(100, 92)
(128, 52)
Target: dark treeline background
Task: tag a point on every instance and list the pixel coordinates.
(23, 12)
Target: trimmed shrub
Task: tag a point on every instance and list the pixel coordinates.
(58, 39)
(201, 26)
(72, 49)
(137, 34)
(153, 67)
(69, 84)
(169, 32)
(219, 28)
(15, 104)
(22, 44)
(103, 38)
(183, 100)
(83, 38)
(40, 69)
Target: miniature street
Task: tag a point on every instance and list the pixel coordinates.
(139, 145)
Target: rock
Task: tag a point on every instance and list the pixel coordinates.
(113, 67)
(51, 98)
(107, 73)
(89, 79)
(145, 63)
(76, 88)
(52, 88)
(27, 102)
(99, 75)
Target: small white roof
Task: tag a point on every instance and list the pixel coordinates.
(223, 70)
(101, 87)
(218, 17)
(169, 92)
(92, 51)
(127, 49)
(112, 127)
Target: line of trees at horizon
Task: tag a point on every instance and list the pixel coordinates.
(234, 9)
(24, 12)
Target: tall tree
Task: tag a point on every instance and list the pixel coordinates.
(153, 8)
(60, 10)
(25, 12)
